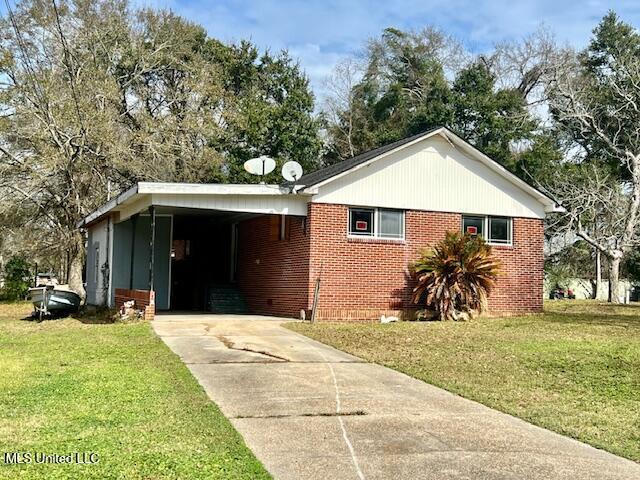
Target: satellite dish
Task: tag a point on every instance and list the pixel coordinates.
(292, 171)
(260, 166)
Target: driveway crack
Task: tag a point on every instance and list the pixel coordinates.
(287, 415)
(231, 345)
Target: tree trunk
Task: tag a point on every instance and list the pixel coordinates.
(598, 282)
(67, 267)
(76, 265)
(614, 280)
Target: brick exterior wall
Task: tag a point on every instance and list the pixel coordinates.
(364, 278)
(519, 288)
(273, 274)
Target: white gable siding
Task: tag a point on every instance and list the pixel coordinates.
(431, 175)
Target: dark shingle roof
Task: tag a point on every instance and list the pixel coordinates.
(323, 174)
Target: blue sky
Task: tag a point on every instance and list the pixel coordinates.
(321, 32)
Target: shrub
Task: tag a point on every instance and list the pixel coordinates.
(17, 278)
(455, 277)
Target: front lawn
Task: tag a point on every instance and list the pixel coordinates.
(574, 369)
(112, 389)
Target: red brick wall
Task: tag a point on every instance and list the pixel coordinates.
(364, 278)
(519, 288)
(273, 274)
(144, 301)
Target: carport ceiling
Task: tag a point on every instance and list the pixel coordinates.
(196, 212)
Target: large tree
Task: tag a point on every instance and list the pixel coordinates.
(403, 90)
(96, 95)
(412, 81)
(595, 100)
(492, 119)
(272, 110)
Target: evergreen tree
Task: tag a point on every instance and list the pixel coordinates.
(492, 119)
(405, 89)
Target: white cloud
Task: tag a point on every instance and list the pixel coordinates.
(320, 33)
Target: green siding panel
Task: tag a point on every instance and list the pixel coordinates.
(122, 257)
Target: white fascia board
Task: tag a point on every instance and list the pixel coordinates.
(107, 207)
(145, 189)
(135, 206)
(211, 189)
(555, 209)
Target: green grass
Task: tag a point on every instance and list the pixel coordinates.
(113, 389)
(575, 369)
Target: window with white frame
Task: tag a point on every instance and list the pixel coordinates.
(376, 222)
(496, 230)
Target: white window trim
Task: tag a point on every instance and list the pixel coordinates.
(486, 228)
(376, 224)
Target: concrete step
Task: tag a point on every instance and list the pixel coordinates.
(226, 299)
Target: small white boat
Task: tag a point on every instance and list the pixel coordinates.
(54, 300)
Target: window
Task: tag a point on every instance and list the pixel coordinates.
(473, 225)
(391, 223)
(180, 249)
(376, 222)
(498, 228)
(361, 222)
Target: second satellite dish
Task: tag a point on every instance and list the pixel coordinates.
(260, 166)
(292, 171)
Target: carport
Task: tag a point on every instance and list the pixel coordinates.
(181, 242)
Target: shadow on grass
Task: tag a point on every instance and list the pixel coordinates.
(103, 316)
(582, 306)
(597, 314)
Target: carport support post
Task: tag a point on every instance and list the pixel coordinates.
(134, 222)
(152, 241)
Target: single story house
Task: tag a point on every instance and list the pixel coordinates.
(340, 239)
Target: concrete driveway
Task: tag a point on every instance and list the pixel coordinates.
(309, 411)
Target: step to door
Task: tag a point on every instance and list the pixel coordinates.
(226, 299)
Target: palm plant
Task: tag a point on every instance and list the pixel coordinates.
(455, 277)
